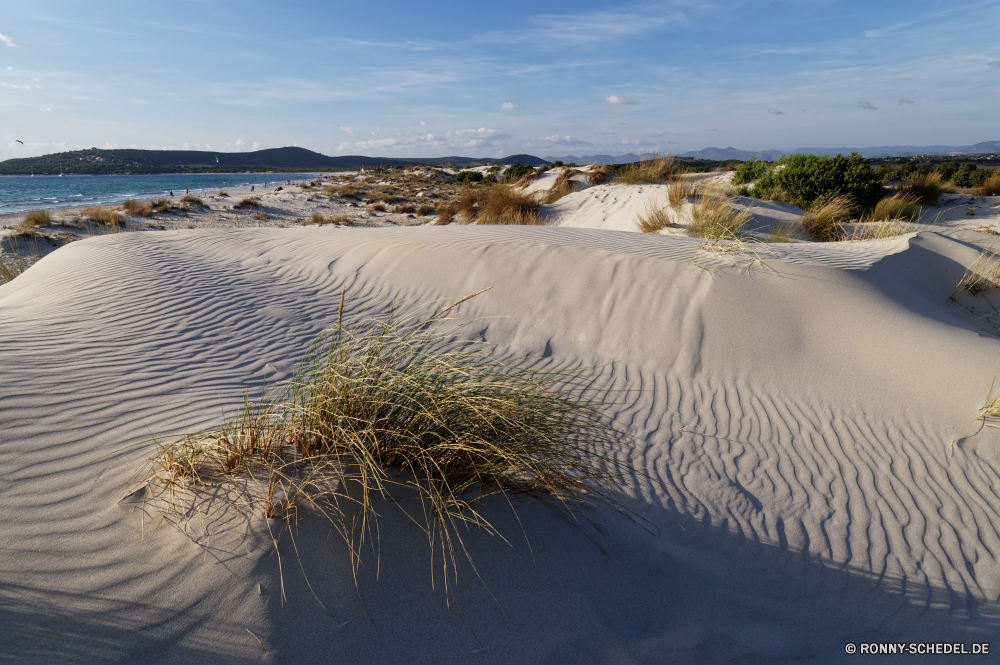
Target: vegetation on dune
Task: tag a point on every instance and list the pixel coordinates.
(134, 207)
(393, 410)
(716, 218)
(803, 180)
(34, 219)
(650, 169)
(991, 185)
(248, 203)
(981, 276)
(825, 219)
(468, 177)
(515, 172)
(599, 174)
(562, 186)
(12, 261)
(901, 206)
(747, 172)
(654, 219)
(926, 189)
(498, 204)
(103, 215)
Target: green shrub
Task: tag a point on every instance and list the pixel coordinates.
(971, 178)
(466, 177)
(516, 171)
(806, 179)
(748, 172)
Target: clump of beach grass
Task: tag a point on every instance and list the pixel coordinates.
(104, 215)
(651, 169)
(36, 218)
(654, 219)
(248, 203)
(405, 208)
(425, 209)
(991, 186)
(378, 206)
(391, 409)
(192, 199)
(562, 186)
(980, 277)
(879, 230)
(497, 204)
(716, 218)
(12, 261)
(925, 189)
(679, 191)
(990, 413)
(778, 233)
(901, 206)
(135, 207)
(599, 174)
(825, 220)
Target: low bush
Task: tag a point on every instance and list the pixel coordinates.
(516, 171)
(468, 177)
(805, 179)
(972, 178)
(747, 172)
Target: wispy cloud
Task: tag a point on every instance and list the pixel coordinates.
(906, 101)
(558, 140)
(507, 106)
(14, 87)
(347, 129)
(8, 41)
(620, 99)
(866, 105)
(462, 139)
(775, 112)
(995, 64)
(604, 25)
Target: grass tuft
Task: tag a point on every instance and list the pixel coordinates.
(425, 209)
(12, 262)
(654, 219)
(716, 218)
(392, 410)
(982, 276)
(991, 186)
(103, 215)
(599, 174)
(650, 169)
(134, 207)
(192, 199)
(898, 206)
(825, 221)
(248, 203)
(925, 189)
(879, 230)
(562, 186)
(378, 207)
(36, 218)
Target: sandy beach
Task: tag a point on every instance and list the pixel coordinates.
(801, 421)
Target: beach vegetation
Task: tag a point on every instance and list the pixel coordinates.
(654, 219)
(747, 172)
(516, 171)
(405, 208)
(778, 233)
(925, 189)
(136, 207)
(715, 217)
(980, 277)
(825, 219)
(192, 200)
(392, 411)
(599, 174)
(12, 261)
(104, 215)
(803, 179)
(468, 177)
(563, 185)
(378, 206)
(679, 191)
(991, 185)
(653, 168)
(425, 209)
(36, 218)
(879, 230)
(904, 205)
(248, 203)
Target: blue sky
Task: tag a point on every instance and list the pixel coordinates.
(496, 78)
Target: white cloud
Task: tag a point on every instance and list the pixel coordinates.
(8, 41)
(866, 105)
(347, 129)
(9, 68)
(775, 112)
(995, 64)
(14, 87)
(255, 146)
(507, 106)
(45, 109)
(559, 140)
(620, 99)
(463, 139)
(906, 101)
(599, 26)
(632, 142)
(422, 122)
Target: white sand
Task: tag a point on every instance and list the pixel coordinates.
(815, 474)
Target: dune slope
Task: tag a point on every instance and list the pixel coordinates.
(813, 471)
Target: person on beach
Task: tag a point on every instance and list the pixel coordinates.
(251, 188)
(171, 194)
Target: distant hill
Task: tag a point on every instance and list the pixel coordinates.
(98, 161)
(726, 154)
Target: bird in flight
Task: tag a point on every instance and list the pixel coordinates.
(19, 141)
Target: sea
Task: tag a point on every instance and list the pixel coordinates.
(24, 192)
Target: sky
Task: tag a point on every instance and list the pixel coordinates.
(490, 79)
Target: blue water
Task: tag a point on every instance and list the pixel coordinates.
(24, 192)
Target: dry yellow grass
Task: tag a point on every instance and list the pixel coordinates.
(650, 169)
(991, 187)
(654, 219)
(599, 174)
(981, 276)
(716, 218)
(898, 206)
(36, 218)
(562, 186)
(825, 221)
(134, 207)
(925, 189)
(103, 215)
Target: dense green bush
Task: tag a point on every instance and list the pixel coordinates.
(971, 178)
(804, 179)
(466, 177)
(517, 171)
(748, 172)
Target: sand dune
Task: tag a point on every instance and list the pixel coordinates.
(814, 471)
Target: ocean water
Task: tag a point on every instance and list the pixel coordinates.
(21, 192)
